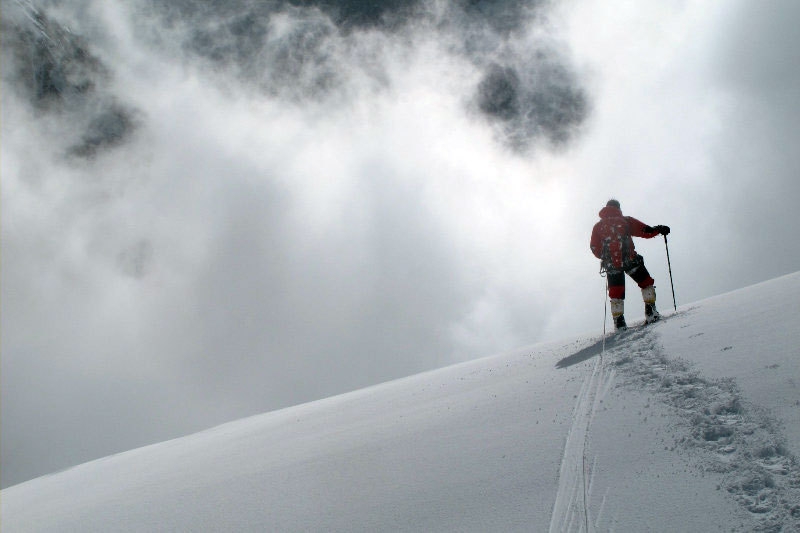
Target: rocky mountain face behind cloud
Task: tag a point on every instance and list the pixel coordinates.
(58, 72)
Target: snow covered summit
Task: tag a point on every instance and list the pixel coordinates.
(692, 424)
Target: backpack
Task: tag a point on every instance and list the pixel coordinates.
(615, 233)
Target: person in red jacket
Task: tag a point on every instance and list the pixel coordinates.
(612, 243)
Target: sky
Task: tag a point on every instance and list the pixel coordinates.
(217, 209)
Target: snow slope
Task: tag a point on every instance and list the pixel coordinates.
(692, 424)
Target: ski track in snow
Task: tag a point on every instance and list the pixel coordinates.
(571, 509)
(723, 434)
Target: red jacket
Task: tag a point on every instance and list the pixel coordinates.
(611, 237)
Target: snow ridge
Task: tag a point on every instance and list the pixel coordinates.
(723, 433)
(647, 432)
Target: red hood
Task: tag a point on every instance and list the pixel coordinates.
(610, 212)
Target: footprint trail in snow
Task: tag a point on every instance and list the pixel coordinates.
(712, 423)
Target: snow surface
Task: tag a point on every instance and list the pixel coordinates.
(691, 424)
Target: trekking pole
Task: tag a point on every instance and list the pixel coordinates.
(605, 316)
(669, 265)
(605, 306)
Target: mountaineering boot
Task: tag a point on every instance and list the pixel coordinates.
(618, 313)
(651, 314)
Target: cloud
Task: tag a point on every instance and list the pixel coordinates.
(216, 210)
(550, 104)
(317, 51)
(755, 65)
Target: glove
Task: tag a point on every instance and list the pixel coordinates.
(663, 230)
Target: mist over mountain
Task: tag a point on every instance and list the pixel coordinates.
(217, 209)
(57, 72)
(180, 174)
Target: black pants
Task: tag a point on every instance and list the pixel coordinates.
(636, 270)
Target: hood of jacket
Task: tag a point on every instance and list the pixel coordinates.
(610, 212)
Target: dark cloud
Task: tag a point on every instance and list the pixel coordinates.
(545, 101)
(295, 50)
(533, 96)
(112, 126)
(502, 16)
(498, 93)
(353, 14)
